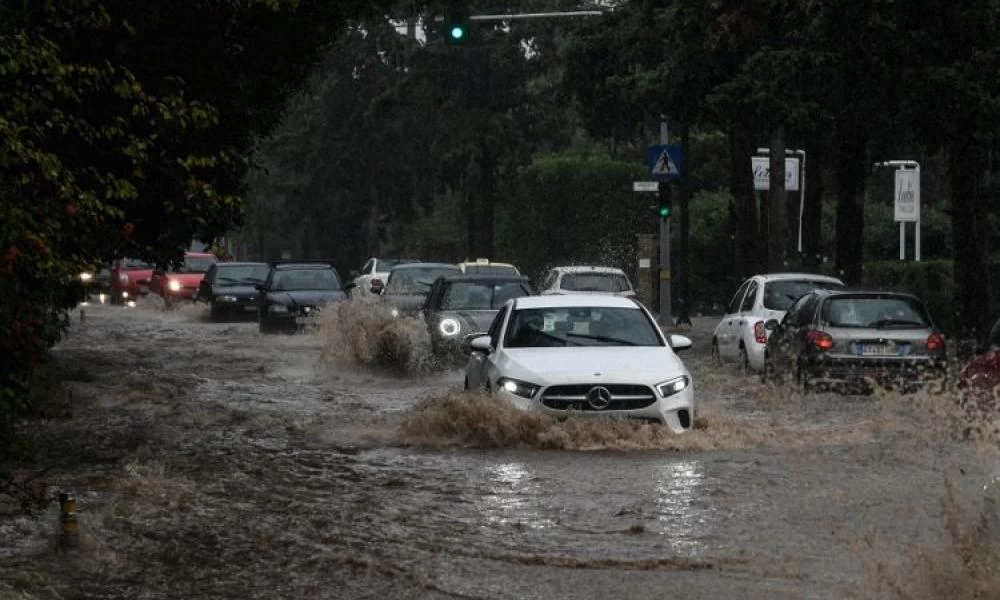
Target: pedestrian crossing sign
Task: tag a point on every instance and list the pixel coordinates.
(664, 161)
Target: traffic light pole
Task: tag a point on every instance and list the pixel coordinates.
(666, 318)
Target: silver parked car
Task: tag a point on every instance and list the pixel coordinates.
(740, 336)
(855, 338)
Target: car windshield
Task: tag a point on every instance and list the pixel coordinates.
(305, 279)
(241, 274)
(595, 282)
(994, 341)
(490, 270)
(136, 264)
(195, 264)
(874, 312)
(580, 326)
(480, 296)
(780, 295)
(417, 280)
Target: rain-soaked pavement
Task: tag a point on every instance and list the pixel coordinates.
(212, 462)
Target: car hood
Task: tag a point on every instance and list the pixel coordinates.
(306, 297)
(548, 366)
(407, 303)
(983, 369)
(235, 290)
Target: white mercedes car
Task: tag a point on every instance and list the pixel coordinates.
(583, 354)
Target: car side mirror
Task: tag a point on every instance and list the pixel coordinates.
(771, 324)
(481, 343)
(680, 342)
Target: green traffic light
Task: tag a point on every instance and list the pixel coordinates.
(457, 32)
(664, 211)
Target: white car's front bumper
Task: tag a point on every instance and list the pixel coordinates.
(677, 412)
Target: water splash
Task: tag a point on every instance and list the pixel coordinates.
(364, 330)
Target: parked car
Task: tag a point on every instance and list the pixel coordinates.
(587, 280)
(408, 284)
(371, 278)
(854, 338)
(483, 266)
(293, 294)
(181, 282)
(587, 355)
(459, 305)
(740, 336)
(130, 279)
(96, 282)
(983, 369)
(230, 288)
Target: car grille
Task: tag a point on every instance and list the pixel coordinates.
(574, 397)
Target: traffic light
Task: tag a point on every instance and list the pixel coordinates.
(664, 211)
(456, 24)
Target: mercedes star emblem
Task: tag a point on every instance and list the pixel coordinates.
(599, 397)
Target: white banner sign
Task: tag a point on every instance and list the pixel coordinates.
(908, 195)
(645, 186)
(762, 173)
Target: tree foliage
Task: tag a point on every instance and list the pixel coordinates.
(126, 130)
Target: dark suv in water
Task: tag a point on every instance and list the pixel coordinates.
(294, 293)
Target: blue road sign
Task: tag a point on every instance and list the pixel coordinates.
(664, 161)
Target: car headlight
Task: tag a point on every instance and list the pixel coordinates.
(174, 285)
(85, 277)
(395, 312)
(277, 308)
(449, 327)
(226, 298)
(673, 386)
(123, 277)
(517, 387)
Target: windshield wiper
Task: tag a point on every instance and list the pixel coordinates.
(897, 322)
(601, 338)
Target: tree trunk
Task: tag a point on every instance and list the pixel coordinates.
(970, 234)
(850, 173)
(746, 259)
(777, 201)
(812, 210)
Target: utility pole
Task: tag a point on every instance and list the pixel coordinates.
(666, 318)
(684, 281)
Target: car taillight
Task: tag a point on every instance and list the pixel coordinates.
(759, 333)
(820, 339)
(935, 342)
(377, 282)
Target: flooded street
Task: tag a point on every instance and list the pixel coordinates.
(209, 461)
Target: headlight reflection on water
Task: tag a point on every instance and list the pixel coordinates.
(511, 499)
(680, 512)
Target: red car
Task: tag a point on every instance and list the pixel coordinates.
(983, 369)
(129, 279)
(181, 282)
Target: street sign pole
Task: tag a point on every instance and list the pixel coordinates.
(666, 318)
(907, 201)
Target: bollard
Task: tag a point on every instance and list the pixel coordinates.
(83, 315)
(70, 526)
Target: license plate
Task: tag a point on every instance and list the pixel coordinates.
(250, 308)
(143, 289)
(878, 350)
(305, 320)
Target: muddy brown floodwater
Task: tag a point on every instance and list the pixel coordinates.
(212, 462)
